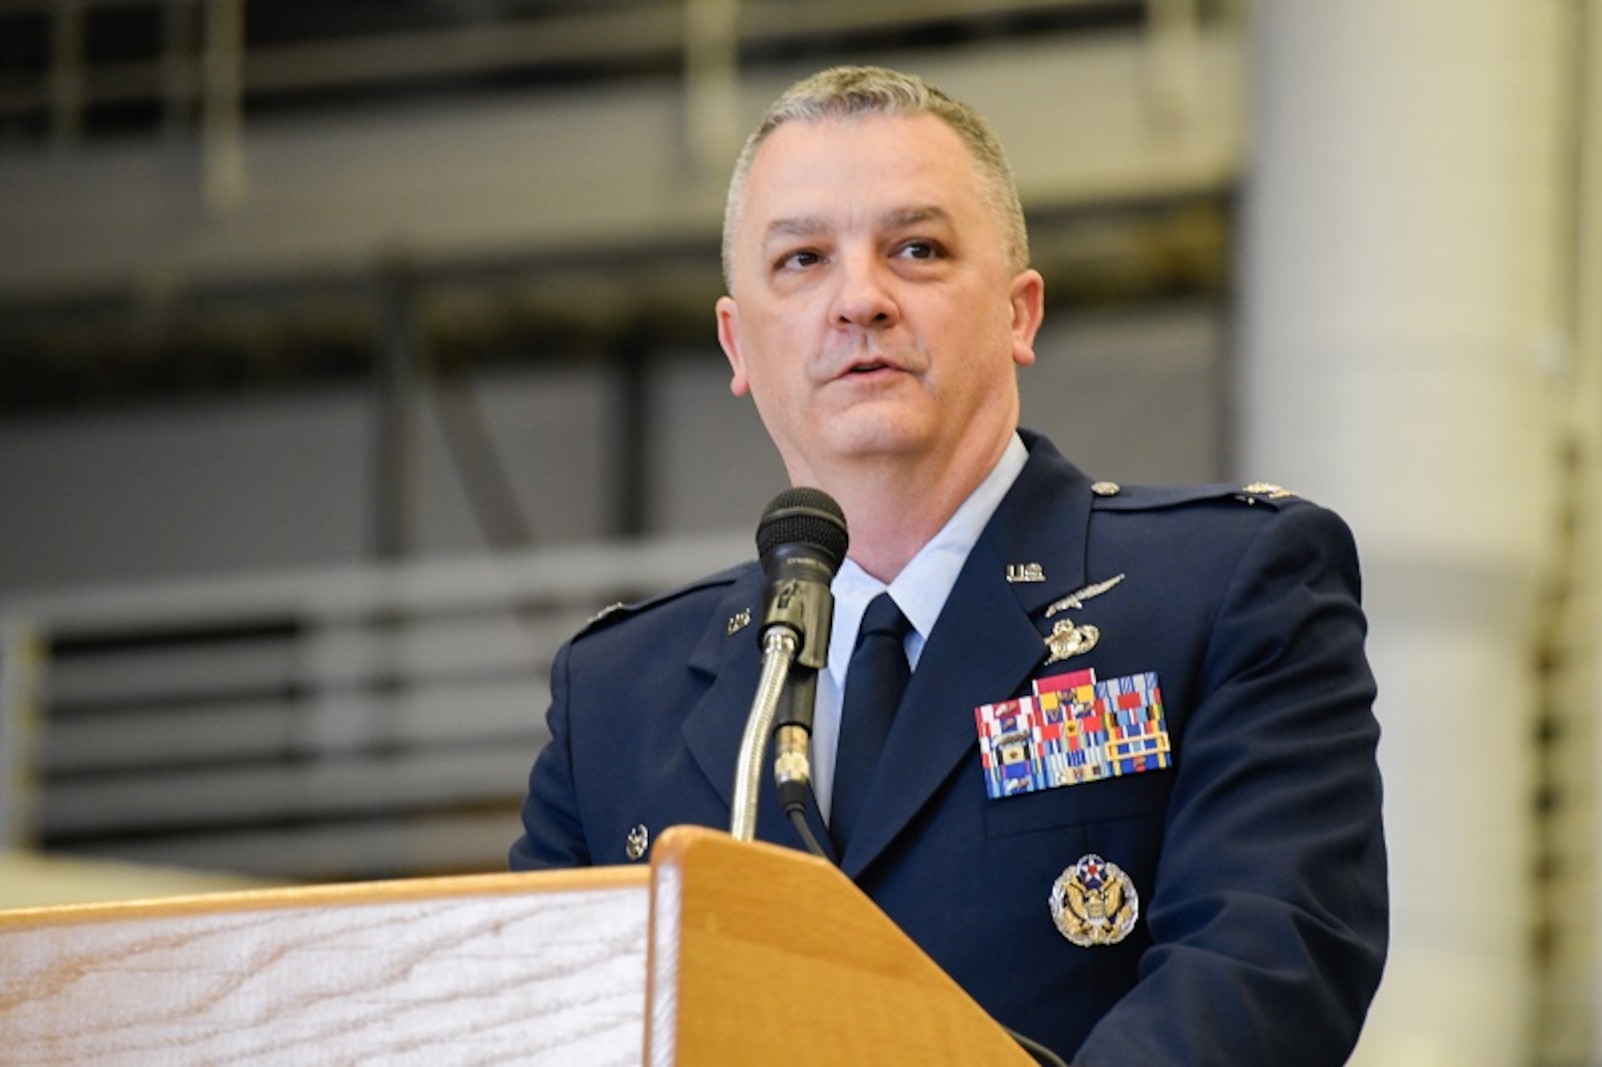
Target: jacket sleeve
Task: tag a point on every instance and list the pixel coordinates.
(1269, 913)
(553, 834)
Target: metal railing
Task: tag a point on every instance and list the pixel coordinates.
(365, 721)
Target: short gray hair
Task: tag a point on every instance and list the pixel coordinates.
(841, 92)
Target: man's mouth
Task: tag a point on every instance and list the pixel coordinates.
(872, 366)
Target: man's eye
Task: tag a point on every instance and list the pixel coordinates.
(918, 250)
(800, 260)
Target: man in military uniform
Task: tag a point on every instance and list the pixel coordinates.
(1216, 798)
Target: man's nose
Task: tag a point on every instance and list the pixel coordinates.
(865, 297)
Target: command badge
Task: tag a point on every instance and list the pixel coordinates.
(1094, 903)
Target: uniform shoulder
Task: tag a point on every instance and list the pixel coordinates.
(1112, 496)
(621, 611)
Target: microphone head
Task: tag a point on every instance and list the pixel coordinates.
(804, 516)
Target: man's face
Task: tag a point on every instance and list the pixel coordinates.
(873, 315)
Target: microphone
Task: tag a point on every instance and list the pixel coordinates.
(801, 541)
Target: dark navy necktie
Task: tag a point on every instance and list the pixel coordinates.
(876, 680)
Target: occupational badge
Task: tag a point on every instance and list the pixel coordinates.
(1067, 640)
(638, 841)
(1094, 903)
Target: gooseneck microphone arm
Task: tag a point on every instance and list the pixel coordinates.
(778, 651)
(802, 541)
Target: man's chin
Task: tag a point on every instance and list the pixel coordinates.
(862, 436)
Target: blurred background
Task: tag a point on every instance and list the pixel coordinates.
(352, 354)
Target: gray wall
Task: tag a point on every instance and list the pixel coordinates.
(287, 481)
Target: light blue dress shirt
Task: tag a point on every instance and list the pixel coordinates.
(920, 590)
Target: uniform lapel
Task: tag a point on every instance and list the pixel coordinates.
(985, 645)
(715, 726)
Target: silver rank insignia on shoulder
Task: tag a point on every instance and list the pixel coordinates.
(1094, 903)
(639, 840)
(1025, 572)
(603, 613)
(1268, 489)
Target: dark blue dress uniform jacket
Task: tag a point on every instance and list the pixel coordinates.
(1258, 855)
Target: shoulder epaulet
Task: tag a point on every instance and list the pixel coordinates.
(1111, 496)
(620, 610)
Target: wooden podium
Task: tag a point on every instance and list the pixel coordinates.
(720, 952)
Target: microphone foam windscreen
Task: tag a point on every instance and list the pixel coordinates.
(804, 515)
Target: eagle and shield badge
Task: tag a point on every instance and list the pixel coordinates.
(1094, 903)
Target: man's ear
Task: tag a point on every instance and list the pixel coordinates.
(728, 313)
(1028, 299)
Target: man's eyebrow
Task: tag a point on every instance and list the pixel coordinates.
(895, 219)
(794, 226)
(901, 218)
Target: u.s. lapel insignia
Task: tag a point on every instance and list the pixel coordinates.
(1094, 903)
(1025, 572)
(1067, 640)
(739, 621)
(638, 841)
(1076, 600)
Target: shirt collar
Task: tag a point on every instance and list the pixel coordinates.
(924, 584)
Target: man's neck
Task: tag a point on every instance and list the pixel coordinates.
(892, 510)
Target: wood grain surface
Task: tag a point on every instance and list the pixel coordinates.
(764, 955)
(545, 968)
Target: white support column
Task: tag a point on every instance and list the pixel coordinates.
(1400, 348)
(1582, 977)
